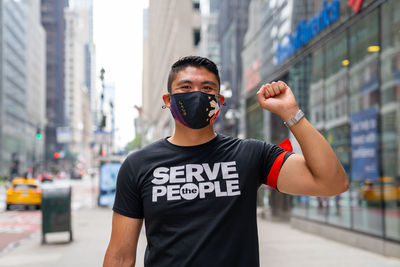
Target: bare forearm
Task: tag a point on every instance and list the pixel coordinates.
(113, 259)
(121, 250)
(320, 159)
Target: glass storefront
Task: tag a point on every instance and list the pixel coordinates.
(364, 103)
(299, 81)
(318, 206)
(337, 125)
(390, 116)
(353, 99)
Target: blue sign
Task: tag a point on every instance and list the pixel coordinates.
(306, 30)
(364, 145)
(108, 182)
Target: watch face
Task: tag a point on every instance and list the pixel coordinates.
(295, 119)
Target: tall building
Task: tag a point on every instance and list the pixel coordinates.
(269, 22)
(54, 23)
(36, 86)
(209, 44)
(77, 95)
(232, 26)
(21, 77)
(74, 78)
(173, 31)
(14, 85)
(85, 9)
(251, 61)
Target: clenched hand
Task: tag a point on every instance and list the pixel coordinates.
(278, 98)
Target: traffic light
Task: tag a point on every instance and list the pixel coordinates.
(38, 134)
(103, 153)
(56, 155)
(103, 121)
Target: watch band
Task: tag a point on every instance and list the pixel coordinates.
(295, 119)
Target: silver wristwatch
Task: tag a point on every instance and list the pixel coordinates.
(295, 119)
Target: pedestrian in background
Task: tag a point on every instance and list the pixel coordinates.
(29, 173)
(197, 190)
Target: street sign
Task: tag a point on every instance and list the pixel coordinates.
(102, 137)
(63, 135)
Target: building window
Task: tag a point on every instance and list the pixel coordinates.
(196, 37)
(196, 5)
(364, 102)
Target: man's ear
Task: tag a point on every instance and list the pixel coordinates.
(167, 100)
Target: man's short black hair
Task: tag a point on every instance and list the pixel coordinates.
(193, 61)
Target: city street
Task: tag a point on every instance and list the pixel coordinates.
(280, 245)
(20, 238)
(18, 225)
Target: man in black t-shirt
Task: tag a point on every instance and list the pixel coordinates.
(197, 190)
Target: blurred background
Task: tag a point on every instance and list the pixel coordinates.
(81, 84)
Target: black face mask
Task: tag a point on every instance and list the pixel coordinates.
(195, 109)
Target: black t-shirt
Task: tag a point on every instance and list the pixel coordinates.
(198, 202)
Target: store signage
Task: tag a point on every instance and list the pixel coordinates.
(306, 30)
(364, 145)
(355, 5)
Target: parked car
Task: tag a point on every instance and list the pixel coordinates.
(61, 175)
(76, 174)
(25, 192)
(45, 177)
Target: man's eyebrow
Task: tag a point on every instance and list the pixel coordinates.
(190, 82)
(209, 82)
(183, 82)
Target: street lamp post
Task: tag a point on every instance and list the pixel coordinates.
(112, 127)
(102, 122)
(102, 116)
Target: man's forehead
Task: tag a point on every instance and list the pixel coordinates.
(194, 74)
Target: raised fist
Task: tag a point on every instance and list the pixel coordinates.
(278, 98)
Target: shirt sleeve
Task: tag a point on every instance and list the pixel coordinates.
(128, 201)
(273, 158)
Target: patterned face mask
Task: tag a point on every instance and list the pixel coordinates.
(195, 109)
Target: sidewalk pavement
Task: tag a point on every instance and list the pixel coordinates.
(280, 245)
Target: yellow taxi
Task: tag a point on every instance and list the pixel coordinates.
(372, 191)
(25, 192)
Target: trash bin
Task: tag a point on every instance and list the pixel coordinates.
(56, 210)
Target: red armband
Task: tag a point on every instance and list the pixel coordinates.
(272, 178)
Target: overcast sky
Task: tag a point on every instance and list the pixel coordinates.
(118, 27)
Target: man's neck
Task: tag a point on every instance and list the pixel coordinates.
(184, 136)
